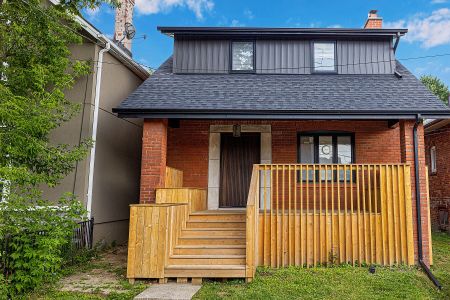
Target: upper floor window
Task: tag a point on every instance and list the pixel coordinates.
(242, 54)
(324, 57)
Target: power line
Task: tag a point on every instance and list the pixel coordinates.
(227, 70)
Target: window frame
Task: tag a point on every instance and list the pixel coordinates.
(433, 162)
(313, 68)
(334, 136)
(230, 63)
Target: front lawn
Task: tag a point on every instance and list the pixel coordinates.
(344, 282)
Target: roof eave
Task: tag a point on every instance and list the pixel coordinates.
(279, 115)
(255, 31)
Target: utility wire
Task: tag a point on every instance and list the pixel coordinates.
(227, 70)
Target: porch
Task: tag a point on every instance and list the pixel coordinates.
(275, 193)
(296, 214)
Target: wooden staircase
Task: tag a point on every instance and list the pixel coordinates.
(212, 245)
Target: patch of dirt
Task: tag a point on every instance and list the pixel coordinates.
(106, 276)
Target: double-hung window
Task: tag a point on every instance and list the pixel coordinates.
(326, 148)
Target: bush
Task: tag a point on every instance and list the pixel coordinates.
(38, 233)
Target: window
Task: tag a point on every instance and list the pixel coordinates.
(242, 57)
(326, 148)
(433, 159)
(324, 57)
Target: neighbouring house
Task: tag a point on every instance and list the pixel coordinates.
(107, 181)
(437, 147)
(277, 147)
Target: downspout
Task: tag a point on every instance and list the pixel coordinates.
(418, 212)
(98, 84)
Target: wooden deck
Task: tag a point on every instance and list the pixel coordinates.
(362, 214)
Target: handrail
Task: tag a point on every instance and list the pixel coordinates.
(252, 221)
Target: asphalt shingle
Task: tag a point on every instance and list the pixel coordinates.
(165, 90)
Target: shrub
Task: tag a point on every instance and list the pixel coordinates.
(38, 233)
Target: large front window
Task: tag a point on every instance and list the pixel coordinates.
(326, 148)
(242, 57)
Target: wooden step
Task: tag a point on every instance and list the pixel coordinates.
(217, 216)
(211, 240)
(215, 224)
(205, 271)
(203, 232)
(209, 250)
(207, 260)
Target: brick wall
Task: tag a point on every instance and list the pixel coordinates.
(153, 164)
(188, 145)
(440, 181)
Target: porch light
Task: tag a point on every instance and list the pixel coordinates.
(236, 130)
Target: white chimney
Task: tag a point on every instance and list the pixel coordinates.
(124, 14)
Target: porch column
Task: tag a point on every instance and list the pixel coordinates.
(154, 155)
(407, 156)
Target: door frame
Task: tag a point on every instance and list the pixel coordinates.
(214, 155)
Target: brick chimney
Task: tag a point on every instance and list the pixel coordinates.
(373, 20)
(124, 14)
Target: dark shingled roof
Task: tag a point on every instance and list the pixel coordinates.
(182, 94)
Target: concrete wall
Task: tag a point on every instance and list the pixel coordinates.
(117, 165)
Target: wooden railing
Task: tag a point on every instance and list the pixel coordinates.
(332, 214)
(252, 223)
(155, 228)
(194, 197)
(173, 178)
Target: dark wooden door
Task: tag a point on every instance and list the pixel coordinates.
(237, 156)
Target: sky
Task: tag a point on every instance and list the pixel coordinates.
(428, 22)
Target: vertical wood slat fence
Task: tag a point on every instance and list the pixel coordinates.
(332, 214)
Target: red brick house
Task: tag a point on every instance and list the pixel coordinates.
(277, 147)
(437, 147)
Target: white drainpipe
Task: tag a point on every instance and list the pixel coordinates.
(98, 84)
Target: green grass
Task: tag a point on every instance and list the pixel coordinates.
(344, 282)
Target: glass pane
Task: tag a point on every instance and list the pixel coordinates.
(242, 56)
(325, 154)
(344, 149)
(306, 150)
(324, 57)
(325, 150)
(307, 154)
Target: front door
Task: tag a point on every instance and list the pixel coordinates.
(237, 156)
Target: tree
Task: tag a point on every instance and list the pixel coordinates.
(35, 71)
(436, 86)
